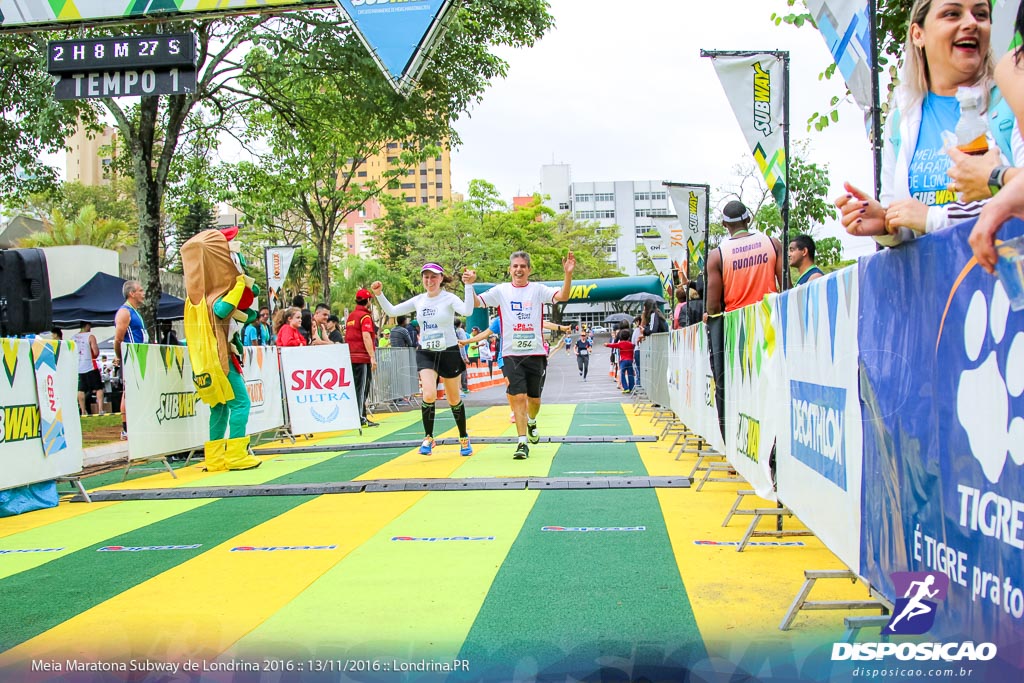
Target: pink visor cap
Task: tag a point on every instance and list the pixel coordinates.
(432, 268)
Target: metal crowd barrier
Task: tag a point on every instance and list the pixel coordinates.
(396, 378)
(654, 367)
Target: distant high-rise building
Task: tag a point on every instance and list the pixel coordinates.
(89, 159)
(626, 203)
(428, 184)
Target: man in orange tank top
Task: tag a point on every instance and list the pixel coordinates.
(744, 268)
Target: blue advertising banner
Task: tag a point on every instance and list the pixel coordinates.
(398, 33)
(942, 389)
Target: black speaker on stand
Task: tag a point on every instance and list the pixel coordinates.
(25, 304)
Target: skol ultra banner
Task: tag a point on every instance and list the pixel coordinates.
(22, 14)
(819, 437)
(755, 86)
(165, 414)
(319, 388)
(279, 260)
(691, 202)
(846, 28)
(691, 384)
(40, 432)
(752, 389)
(942, 389)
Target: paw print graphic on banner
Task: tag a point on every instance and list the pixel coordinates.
(984, 391)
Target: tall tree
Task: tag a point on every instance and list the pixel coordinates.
(86, 227)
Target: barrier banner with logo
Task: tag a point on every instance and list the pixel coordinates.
(942, 388)
(691, 384)
(165, 414)
(819, 434)
(319, 388)
(40, 433)
(752, 389)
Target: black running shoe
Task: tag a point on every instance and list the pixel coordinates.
(522, 452)
(531, 433)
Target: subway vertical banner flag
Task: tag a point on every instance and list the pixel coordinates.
(755, 85)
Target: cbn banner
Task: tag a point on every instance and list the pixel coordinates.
(319, 389)
(278, 262)
(691, 384)
(755, 85)
(40, 432)
(19, 14)
(819, 435)
(942, 388)
(752, 390)
(165, 414)
(691, 205)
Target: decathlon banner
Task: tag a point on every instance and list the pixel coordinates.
(755, 84)
(752, 390)
(165, 414)
(846, 27)
(20, 14)
(942, 388)
(691, 205)
(399, 33)
(691, 384)
(819, 437)
(319, 388)
(278, 261)
(40, 432)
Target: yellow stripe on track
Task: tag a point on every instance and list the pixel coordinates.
(495, 460)
(657, 460)
(402, 599)
(107, 520)
(17, 524)
(199, 608)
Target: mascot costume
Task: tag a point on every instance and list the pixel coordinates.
(219, 300)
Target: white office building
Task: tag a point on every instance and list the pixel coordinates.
(626, 203)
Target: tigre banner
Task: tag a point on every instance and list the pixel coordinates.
(755, 85)
(40, 432)
(319, 388)
(819, 420)
(752, 389)
(165, 414)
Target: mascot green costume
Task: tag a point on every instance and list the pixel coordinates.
(218, 303)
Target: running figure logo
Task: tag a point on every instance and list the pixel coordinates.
(914, 613)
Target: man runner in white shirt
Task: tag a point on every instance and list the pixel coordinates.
(520, 306)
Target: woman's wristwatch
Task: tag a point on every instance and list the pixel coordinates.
(997, 178)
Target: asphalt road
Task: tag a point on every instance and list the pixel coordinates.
(564, 384)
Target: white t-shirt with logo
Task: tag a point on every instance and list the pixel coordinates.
(85, 360)
(436, 316)
(521, 310)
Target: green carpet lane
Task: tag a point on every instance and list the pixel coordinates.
(66, 585)
(409, 593)
(608, 595)
(587, 460)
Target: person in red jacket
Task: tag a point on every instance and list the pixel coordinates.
(626, 350)
(288, 323)
(361, 336)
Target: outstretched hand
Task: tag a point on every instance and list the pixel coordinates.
(377, 288)
(862, 216)
(569, 263)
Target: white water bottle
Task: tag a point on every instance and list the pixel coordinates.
(971, 129)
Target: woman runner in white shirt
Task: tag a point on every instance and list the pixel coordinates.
(438, 352)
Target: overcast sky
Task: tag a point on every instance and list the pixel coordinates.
(618, 90)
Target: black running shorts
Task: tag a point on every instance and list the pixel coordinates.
(525, 374)
(447, 363)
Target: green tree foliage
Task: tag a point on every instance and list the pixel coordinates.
(198, 216)
(114, 201)
(480, 233)
(85, 228)
(324, 109)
